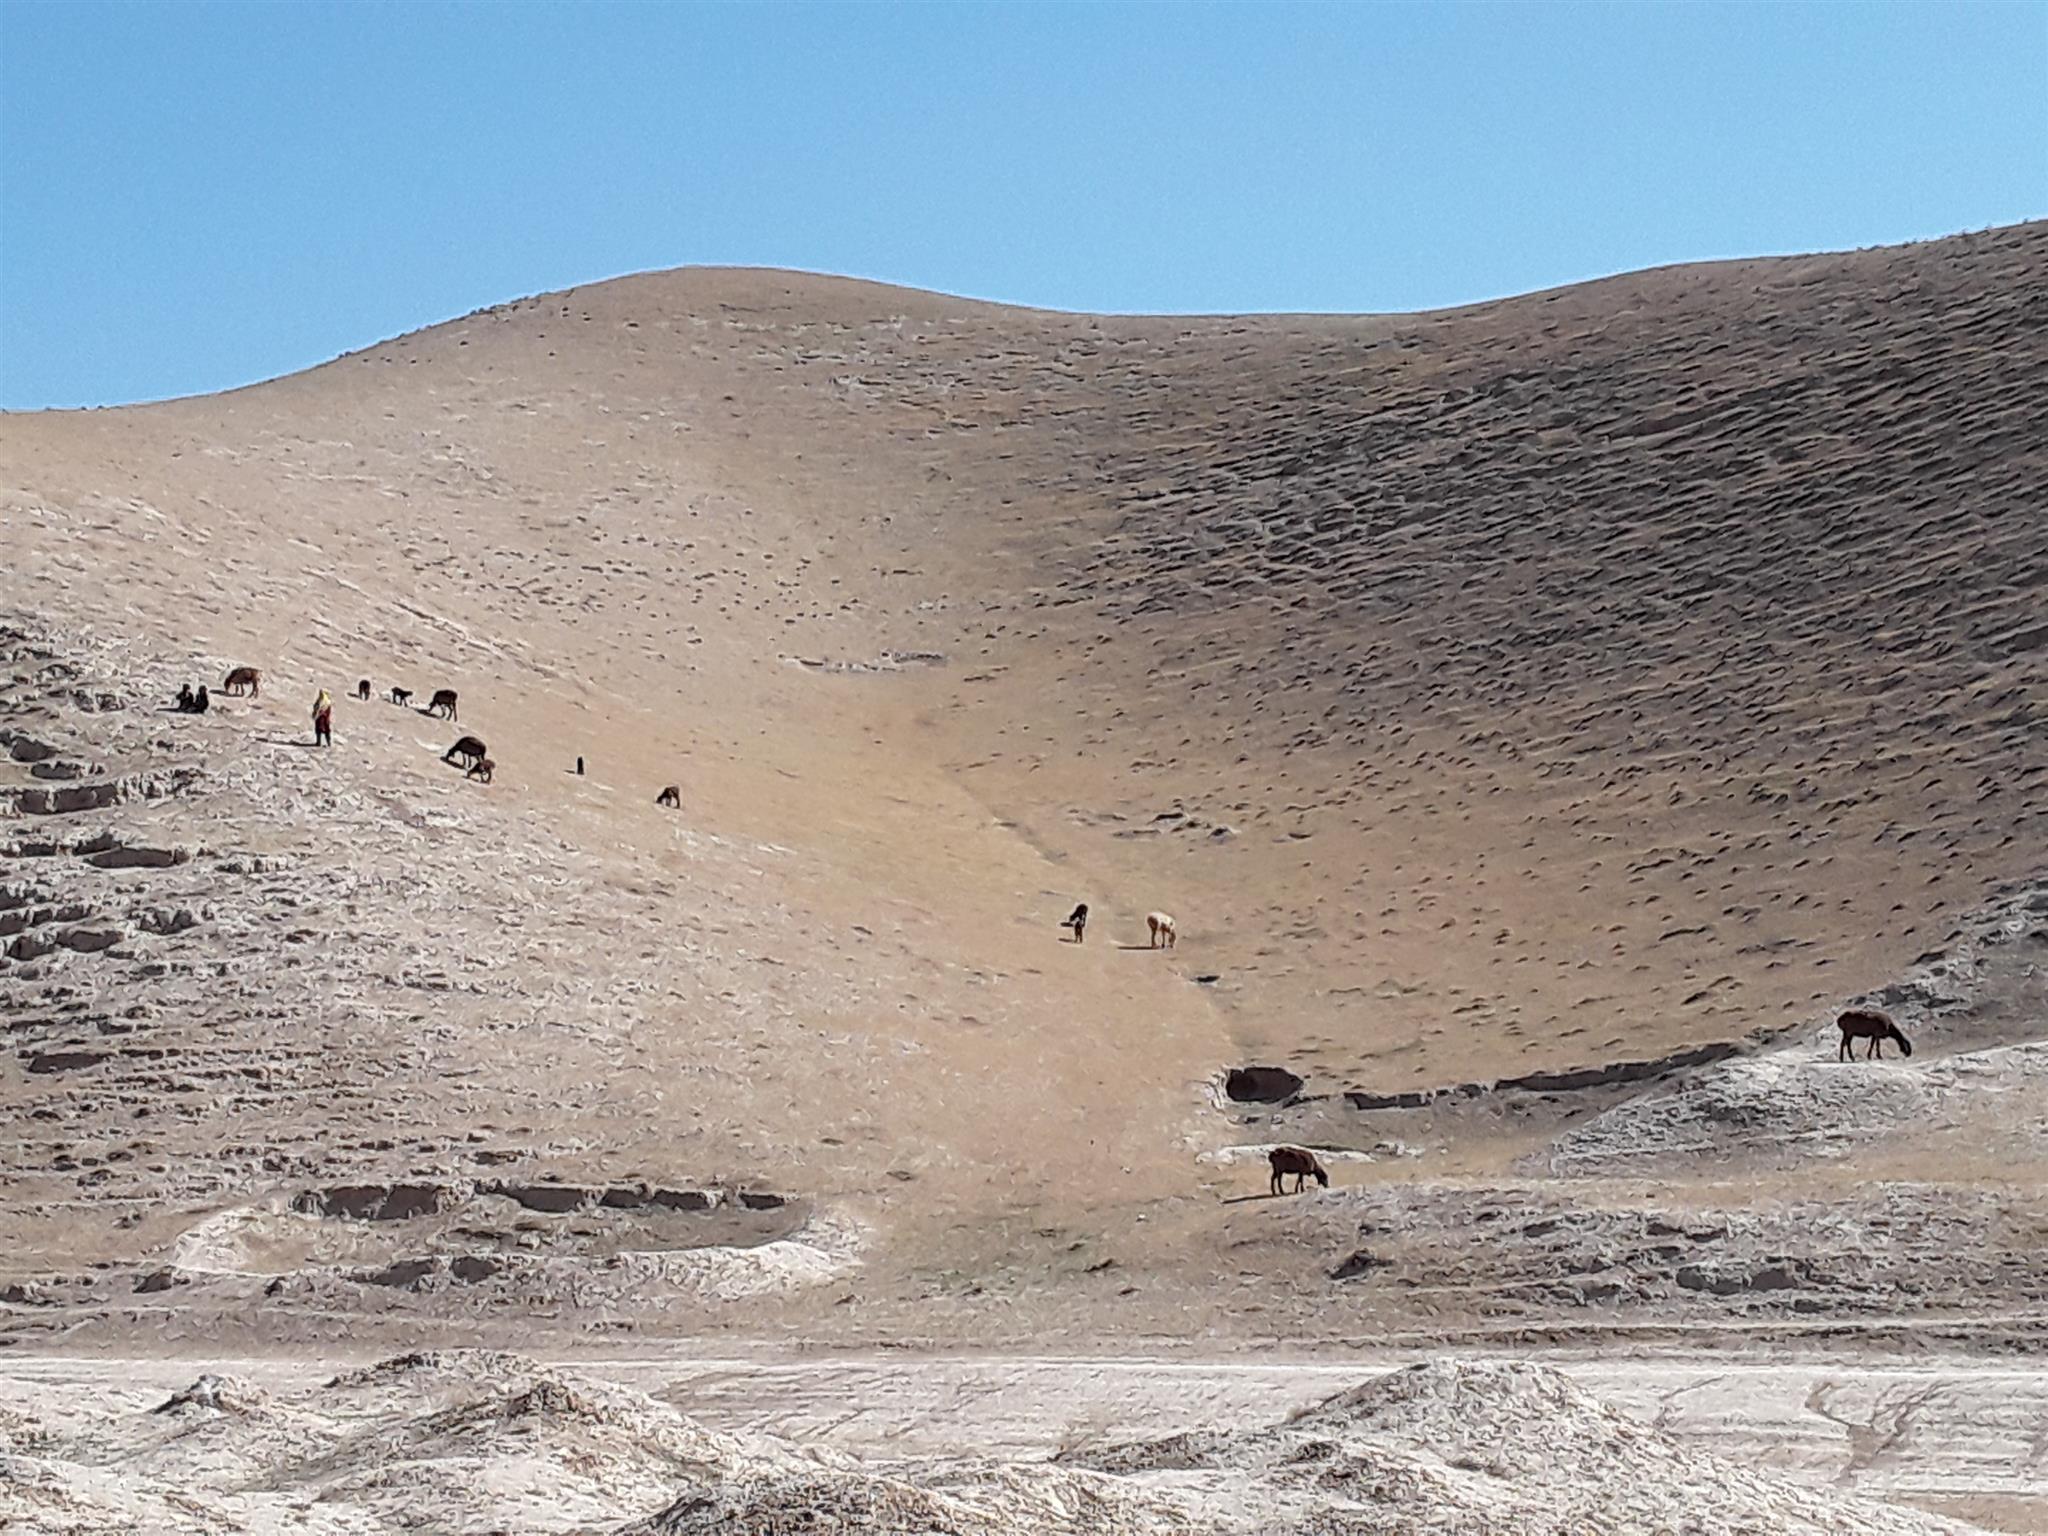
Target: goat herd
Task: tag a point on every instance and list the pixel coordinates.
(469, 752)
(471, 755)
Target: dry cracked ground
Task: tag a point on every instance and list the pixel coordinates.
(1540, 718)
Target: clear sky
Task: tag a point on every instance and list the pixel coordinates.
(196, 195)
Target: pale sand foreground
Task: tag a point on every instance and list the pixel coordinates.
(340, 1447)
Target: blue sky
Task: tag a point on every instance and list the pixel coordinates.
(198, 195)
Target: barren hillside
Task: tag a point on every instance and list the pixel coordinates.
(1556, 683)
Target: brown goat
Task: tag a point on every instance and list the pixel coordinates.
(482, 768)
(1301, 1164)
(243, 678)
(673, 795)
(443, 699)
(1868, 1024)
(363, 689)
(470, 747)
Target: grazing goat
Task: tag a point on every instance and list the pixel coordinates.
(673, 795)
(1302, 1165)
(1868, 1024)
(443, 699)
(243, 678)
(363, 690)
(482, 768)
(1078, 921)
(1161, 928)
(469, 747)
(401, 695)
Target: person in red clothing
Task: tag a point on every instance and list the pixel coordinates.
(323, 720)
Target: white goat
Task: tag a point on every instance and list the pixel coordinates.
(1161, 927)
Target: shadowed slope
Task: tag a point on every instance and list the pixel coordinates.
(1579, 676)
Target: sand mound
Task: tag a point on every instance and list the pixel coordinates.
(986, 1502)
(1796, 1107)
(1797, 1102)
(216, 1394)
(535, 1453)
(461, 1440)
(1455, 1446)
(501, 1241)
(1489, 1403)
(1440, 1448)
(1770, 1103)
(1428, 1451)
(452, 1367)
(52, 1498)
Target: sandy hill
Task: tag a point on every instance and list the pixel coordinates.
(1547, 684)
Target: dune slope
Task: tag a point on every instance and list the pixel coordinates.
(1552, 683)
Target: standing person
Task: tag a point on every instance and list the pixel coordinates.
(323, 720)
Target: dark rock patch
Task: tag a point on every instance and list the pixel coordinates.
(550, 1199)
(641, 1197)
(87, 941)
(1614, 1074)
(1360, 1263)
(378, 1202)
(165, 922)
(24, 748)
(1261, 1085)
(1783, 1275)
(139, 858)
(35, 801)
(215, 1394)
(405, 1274)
